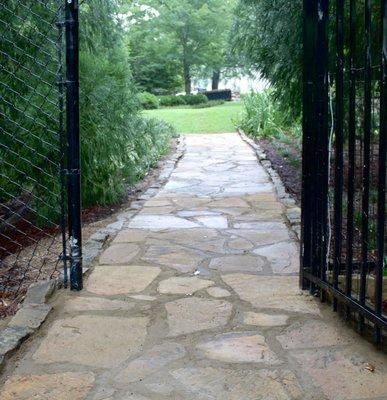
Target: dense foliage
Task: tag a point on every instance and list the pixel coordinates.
(267, 36)
(118, 145)
(187, 100)
(175, 41)
(148, 101)
(263, 117)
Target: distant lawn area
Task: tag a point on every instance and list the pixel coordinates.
(200, 120)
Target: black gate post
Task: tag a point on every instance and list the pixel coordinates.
(73, 137)
(309, 24)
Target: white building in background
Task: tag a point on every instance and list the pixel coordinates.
(242, 84)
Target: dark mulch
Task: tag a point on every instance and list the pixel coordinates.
(287, 166)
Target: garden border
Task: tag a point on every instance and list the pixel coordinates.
(34, 309)
(292, 211)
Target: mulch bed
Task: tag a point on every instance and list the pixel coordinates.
(289, 174)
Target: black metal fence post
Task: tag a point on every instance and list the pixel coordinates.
(309, 13)
(73, 136)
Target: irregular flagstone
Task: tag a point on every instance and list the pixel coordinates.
(232, 202)
(195, 314)
(240, 244)
(132, 236)
(204, 383)
(243, 263)
(239, 348)
(261, 226)
(213, 222)
(122, 253)
(95, 341)
(150, 362)
(207, 340)
(61, 386)
(156, 222)
(280, 293)
(183, 285)
(218, 292)
(95, 304)
(260, 238)
(342, 373)
(261, 319)
(177, 257)
(143, 297)
(284, 257)
(315, 333)
(113, 280)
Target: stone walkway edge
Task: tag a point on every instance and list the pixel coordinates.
(35, 308)
(197, 298)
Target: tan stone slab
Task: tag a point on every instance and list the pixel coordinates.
(284, 258)
(76, 304)
(157, 210)
(177, 257)
(143, 297)
(183, 285)
(195, 314)
(240, 244)
(157, 203)
(233, 202)
(95, 341)
(260, 238)
(261, 215)
(238, 263)
(316, 333)
(259, 198)
(342, 373)
(216, 222)
(131, 236)
(203, 383)
(150, 362)
(261, 226)
(218, 292)
(262, 319)
(61, 386)
(239, 348)
(116, 280)
(157, 222)
(121, 253)
(276, 292)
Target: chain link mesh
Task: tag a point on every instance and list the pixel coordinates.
(32, 146)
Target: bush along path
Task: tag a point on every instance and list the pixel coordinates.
(197, 298)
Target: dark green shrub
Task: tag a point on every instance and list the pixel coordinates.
(211, 103)
(194, 99)
(148, 101)
(170, 101)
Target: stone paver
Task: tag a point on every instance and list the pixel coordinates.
(246, 347)
(198, 298)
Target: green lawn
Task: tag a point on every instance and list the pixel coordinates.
(200, 120)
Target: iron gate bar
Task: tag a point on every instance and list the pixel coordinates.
(309, 36)
(353, 114)
(73, 169)
(321, 155)
(382, 169)
(338, 199)
(351, 150)
(366, 156)
(363, 310)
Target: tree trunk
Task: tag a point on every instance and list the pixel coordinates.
(215, 80)
(187, 78)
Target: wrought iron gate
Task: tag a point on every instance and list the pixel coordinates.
(39, 157)
(344, 157)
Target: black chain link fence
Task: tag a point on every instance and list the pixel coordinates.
(32, 146)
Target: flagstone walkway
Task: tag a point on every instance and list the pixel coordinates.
(197, 298)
